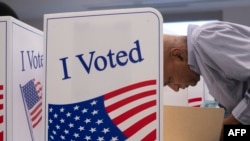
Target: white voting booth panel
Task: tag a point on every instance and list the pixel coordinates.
(21, 81)
(104, 75)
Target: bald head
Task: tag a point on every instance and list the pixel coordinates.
(177, 73)
(172, 44)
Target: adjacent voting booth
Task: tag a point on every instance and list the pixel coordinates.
(182, 123)
(21, 81)
(104, 75)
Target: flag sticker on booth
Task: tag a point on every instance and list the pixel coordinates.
(99, 87)
(195, 101)
(1, 112)
(32, 97)
(125, 113)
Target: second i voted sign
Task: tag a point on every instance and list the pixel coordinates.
(104, 75)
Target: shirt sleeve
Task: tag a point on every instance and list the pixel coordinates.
(241, 112)
(226, 47)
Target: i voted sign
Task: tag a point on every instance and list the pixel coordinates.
(35, 59)
(21, 81)
(104, 78)
(101, 62)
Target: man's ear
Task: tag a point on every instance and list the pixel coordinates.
(177, 54)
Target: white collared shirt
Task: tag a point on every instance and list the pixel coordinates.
(220, 52)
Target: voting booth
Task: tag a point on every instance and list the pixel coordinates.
(104, 75)
(21, 81)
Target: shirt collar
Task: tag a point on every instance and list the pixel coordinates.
(191, 49)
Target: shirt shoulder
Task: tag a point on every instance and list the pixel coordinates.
(216, 30)
(195, 31)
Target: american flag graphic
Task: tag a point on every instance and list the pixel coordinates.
(196, 95)
(32, 96)
(127, 113)
(195, 101)
(1, 112)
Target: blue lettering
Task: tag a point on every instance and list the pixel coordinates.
(97, 66)
(101, 63)
(65, 70)
(110, 54)
(30, 59)
(87, 67)
(137, 52)
(35, 61)
(22, 61)
(120, 55)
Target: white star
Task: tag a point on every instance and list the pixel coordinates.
(62, 137)
(52, 137)
(100, 139)
(93, 102)
(62, 109)
(71, 125)
(55, 115)
(114, 139)
(84, 110)
(76, 135)
(57, 127)
(62, 120)
(105, 130)
(50, 120)
(99, 121)
(50, 110)
(87, 138)
(54, 132)
(95, 112)
(81, 128)
(87, 120)
(66, 131)
(68, 114)
(77, 118)
(76, 108)
(92, 130)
